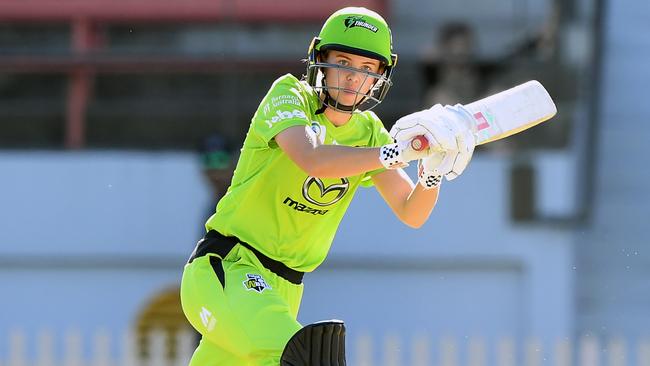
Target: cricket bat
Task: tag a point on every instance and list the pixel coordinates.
(506, 113)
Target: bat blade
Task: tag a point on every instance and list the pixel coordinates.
(511, 111)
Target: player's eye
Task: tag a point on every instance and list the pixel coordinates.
(344, 62)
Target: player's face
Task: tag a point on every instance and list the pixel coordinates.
(349, 86)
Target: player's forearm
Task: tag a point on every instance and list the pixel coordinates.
(334, 161)
(418, 206)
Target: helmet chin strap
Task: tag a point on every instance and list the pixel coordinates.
(329, 101)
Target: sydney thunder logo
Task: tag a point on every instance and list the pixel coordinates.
(255, 282)
(358, 21)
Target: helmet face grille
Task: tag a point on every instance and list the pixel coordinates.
(359, 31)
(362, 101)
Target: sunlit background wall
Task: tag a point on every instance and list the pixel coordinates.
(537, 255)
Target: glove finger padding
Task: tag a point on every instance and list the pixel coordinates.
(436, 124)
(410, 120)
(446, 164)
(446, 129)
(431, 163)
(463, 155)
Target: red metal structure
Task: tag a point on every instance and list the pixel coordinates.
(87, 16)
(176, 10)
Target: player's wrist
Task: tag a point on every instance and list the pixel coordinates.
(431, 170)
(429, 180)
(392, 156)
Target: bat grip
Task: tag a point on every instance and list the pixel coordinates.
(419, 143)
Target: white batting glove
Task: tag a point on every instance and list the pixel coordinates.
(436, 124)
(420, 123)
(449, 132)
(450, 162)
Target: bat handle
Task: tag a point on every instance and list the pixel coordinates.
(419, 143)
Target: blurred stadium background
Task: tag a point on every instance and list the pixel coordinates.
(535, 256)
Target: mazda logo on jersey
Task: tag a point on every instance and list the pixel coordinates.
(316, 193)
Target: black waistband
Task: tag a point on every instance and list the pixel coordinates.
(214, 242)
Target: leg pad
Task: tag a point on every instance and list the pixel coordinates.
(318, 344)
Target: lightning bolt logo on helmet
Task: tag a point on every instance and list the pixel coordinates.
(359, 21)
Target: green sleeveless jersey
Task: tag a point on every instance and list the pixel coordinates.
(274, 205)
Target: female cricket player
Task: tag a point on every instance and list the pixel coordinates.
(311, 143)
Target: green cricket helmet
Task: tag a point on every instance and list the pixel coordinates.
(361, 32)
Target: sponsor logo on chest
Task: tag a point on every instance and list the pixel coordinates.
(283, 115)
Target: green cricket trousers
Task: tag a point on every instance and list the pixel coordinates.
(236, 298)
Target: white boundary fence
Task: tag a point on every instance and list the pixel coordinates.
(368, 351)
(72, 351)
